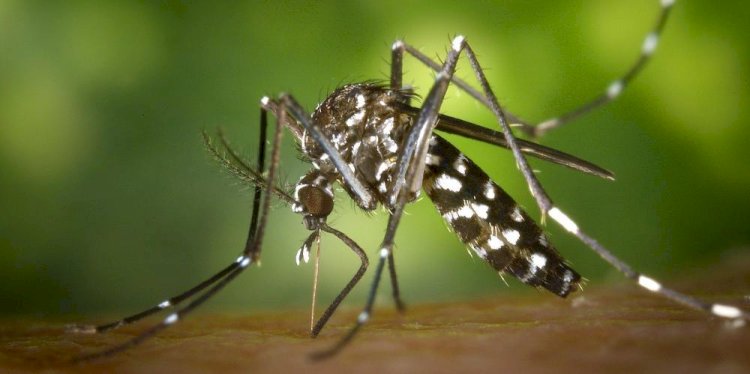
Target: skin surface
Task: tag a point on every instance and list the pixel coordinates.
(616, 327)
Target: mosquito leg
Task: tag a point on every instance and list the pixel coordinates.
(612, 92)
(253, 250)
(398, 49)
(170, 319)
(616, 87)
(260, 168)
(176, 300)
(400, 306)
(363, 317)
(397, 56)
(170, 302)
(355, 279)
(540, 196)
(720, 310)
(250, 254)
(397, 61)
(397, 64)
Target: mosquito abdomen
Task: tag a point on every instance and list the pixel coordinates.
(490, 222)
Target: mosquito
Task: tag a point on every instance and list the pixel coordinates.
(369, 139)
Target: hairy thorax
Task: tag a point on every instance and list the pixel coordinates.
(363, 123)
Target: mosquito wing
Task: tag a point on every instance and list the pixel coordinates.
(470, 130)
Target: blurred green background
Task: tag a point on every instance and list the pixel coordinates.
(110, 202)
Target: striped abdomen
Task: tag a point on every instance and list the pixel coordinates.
(488, 220)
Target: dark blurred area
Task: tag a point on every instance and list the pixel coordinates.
(110, 202)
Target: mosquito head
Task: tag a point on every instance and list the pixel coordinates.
(314, 198)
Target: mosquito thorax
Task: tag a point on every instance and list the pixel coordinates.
(365, 125)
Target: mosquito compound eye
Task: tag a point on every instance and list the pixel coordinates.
(315, 200)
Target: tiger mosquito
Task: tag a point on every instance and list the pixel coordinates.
(383, 151)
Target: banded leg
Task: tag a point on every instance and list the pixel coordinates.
(178, 299)
(613, 91)
(720, 310)
(249, 255)
(650, 42)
